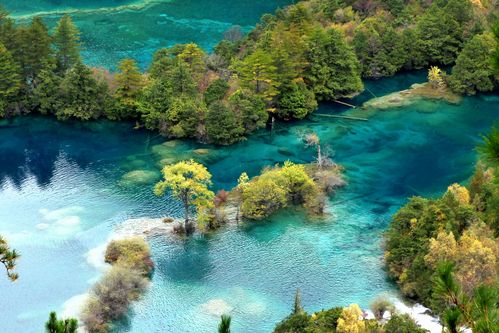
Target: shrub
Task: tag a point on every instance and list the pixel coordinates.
(296, 323)
(132, 252)
(111, 296)
(379, 306)
(402, 324)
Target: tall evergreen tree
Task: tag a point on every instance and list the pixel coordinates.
(333, 70)
(83, 97)
(54, 325)
(297, 308)
(130, 83)
(67, 44)
(473, 71)
(9, 79)
(37, 51)
(224, 326)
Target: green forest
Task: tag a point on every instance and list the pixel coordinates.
(317, 50)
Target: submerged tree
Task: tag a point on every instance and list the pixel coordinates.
(54, 325)
(224, 326)
(189, 182)
(8, 258)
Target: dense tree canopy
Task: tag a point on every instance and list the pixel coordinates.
(315, 50)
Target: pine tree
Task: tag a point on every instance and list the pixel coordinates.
(54, 325)
(224, 326)
(46, 96)
(333, 70)
(9, 79)
(8, 259)
(130, 83)
(297, 308)
(37, 51)
(258, 72)
(67, 44)
(84, 97)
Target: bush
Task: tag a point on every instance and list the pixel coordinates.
(132, 252)
(402, 324)
(110, 298)
(379, 306)
(296, 323)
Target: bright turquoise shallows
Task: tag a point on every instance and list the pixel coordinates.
(62, 194)
(117, 29)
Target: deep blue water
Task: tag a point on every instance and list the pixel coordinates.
(62, 193)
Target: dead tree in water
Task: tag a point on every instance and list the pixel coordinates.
(323, 158)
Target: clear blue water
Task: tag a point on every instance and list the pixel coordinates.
(116, 29)
(62, 193)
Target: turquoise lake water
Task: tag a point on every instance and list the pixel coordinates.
(62, 195)
(62, 192)
(116, 29)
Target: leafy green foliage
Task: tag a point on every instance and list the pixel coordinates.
(296, 101)
(10, 81)
(129, 82)
(313, 50)
(277, 187)
(54, 325)
(222, 125)
(83, 97)
(479, 312)
(216, 91)
(402, 324)
(333, 70)
(473, 71)
(461, 228)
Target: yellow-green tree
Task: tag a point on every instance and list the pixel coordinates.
(193, 55)
(262, 197)
(257, 71)
(435, 77)
(129, 84)
(188, 181)
(351, 320)
(475, 255)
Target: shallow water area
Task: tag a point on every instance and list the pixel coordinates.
(116, 29)
(66, 186)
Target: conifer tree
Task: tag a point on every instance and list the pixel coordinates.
(130, 83)
(36, 48)
(9, 79)
(224, 326)
(297, 308)
(54, 325)
(83, 96)
(333, 68)
(67, 44)
(8, 259)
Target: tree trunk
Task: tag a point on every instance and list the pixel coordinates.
(185, 201)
